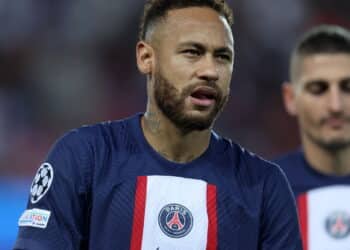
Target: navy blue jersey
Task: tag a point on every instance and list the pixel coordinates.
(104, 187)
(323, 203)
(302, 177)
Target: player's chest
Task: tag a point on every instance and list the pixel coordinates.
(324, 215)
(167, 212)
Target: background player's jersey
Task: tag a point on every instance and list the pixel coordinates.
(103, 187)
(323, 203)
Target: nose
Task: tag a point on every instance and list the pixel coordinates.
(335, 101)
(208, 69)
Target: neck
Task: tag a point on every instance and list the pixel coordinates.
(171, 142)
(332, 162)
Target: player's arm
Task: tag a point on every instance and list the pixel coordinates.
(280, 227)
(57, 209)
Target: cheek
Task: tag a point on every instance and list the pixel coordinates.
(178, 77)
(347, 105)
(225, 74)
(178, 66)
(308, 115)
(225, 89)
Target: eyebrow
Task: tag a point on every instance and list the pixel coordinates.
(202, 47)
(323, 81)
(345, 79)
(315, 81)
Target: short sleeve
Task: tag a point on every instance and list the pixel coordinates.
(280, 228)
(56, 216)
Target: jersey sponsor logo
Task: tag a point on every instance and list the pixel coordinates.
(41, 183)
(338, 225)
(175, 220)
(34, 218)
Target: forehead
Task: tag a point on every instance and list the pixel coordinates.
(199, 24)
(325, 66)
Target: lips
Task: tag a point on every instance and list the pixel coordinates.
(335, 122)
(204, 96)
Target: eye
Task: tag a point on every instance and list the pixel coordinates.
(345, 85)
(224, 57)
(317, 87)
(192, 52)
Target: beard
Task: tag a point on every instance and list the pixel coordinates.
(331, 145)
(172, 103)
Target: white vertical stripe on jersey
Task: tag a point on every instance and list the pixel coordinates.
(164, 190)
(322, 202)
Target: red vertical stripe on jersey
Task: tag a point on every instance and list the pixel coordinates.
(139, 213)
(303, 219)
(212, 241)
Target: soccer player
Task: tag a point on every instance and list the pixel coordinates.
(164, 179)
(319, 173)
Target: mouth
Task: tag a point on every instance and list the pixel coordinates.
(336, 122)
(204, 96)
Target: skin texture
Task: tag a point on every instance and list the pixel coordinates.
(188, 60)
(319, 96)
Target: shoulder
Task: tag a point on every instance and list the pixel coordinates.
(99, 135)
(251, 165)
(289, 157)
(82, 151)
(91, 143)
(290, 161)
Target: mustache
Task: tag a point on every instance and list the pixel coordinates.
(190, 88)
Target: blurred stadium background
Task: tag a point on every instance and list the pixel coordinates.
(65, 63)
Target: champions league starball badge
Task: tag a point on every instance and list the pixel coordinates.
(175, 220)
(41, 183)
(338, 225)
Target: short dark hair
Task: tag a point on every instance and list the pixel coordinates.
(157, 9)
(329, 39)
(324, 39)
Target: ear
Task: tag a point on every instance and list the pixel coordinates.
(144, 57)
(288, 94)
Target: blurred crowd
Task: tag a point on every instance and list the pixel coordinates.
(68, 63)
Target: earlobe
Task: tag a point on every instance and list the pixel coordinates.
(144, 57)
(288, 95)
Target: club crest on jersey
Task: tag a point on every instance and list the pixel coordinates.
(41, 183)
(338, 225)
(175, 220)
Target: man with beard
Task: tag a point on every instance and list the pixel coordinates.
(319, 172)
(163, 179)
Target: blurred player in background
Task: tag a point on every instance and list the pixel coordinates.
(319, 173)
(163, 179)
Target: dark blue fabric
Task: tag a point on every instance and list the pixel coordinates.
(302, 177)
(92, 195)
